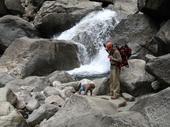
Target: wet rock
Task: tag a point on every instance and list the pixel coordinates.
(12, 27)
(134, 79)
(9, 117)
(27, 57)
(155, 8)
(137, 30)
(159, 67)
(155, 108)
(57, 16)
(43, 112)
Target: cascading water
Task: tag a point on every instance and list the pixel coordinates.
(90, 34)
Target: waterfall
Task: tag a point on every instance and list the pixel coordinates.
(89, 35)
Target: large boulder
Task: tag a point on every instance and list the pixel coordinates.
(128, 119)
(61, 76)
(43, 112)
(82, 111)
(26, 57)
(155, 108)
(160, 68)
(134, 79)
(162, 38)
(14, 6)
(12, 27)
(137, 30)
(155, 8)
(125, 7)
(9, 117)
(57, 16)
(29, 84)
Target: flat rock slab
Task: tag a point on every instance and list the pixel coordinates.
(120, 102)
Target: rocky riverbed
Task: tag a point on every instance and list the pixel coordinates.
(36, 89)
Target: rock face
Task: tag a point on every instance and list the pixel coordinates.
(27, 57)
(155, 108)
(155, 8)
(135, 80)
(57, 16)
(82, 111)
(125, 7)
(162, 38)
(12, 27)
(137, 30)
(159, 67)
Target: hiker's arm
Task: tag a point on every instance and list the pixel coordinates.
(117, 57)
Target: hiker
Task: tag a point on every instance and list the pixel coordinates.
(115, 60)
(86, 86)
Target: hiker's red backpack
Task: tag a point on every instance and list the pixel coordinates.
(125, 53)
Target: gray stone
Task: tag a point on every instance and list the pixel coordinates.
(55, 99)
(155, 8)
(149, 58)
(29, 84)
(25, 57)
(48, 91)
(57, 16)
(162, 38)
(160, 68)
(32, 105)
(134, 79)
(128, 97)
(61, 76)
(155, 85)
(8, 96)
(3, 9)
(100, 86)
(81, 111)
(12, 27)
(129, 119)
(155, 108)
(14, 6)
(9, 117)
(5, 78)
(43, 112)
(137, 31)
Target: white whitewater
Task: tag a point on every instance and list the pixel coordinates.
(90, 34)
